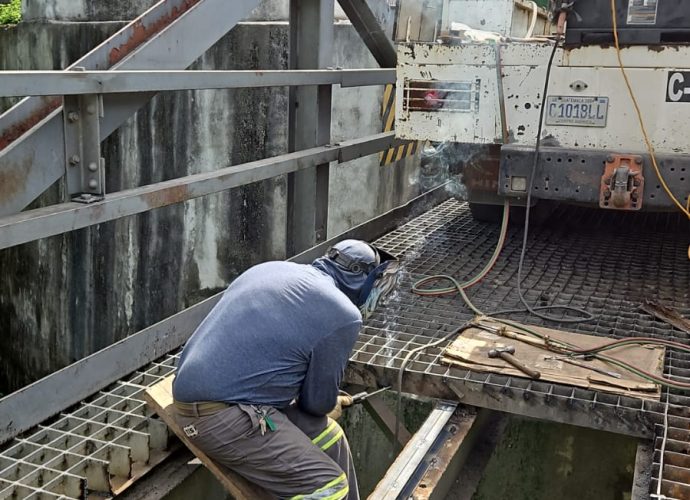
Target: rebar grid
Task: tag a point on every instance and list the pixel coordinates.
(605, 262)
(95, 447)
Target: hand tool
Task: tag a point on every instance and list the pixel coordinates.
(566, 359)
(362, 396)
(506, 354)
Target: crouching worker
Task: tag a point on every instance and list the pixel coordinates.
(257, 380)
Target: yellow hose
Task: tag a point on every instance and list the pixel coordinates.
(648, 142)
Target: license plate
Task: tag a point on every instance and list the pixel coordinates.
(577, 111)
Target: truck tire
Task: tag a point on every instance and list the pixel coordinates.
(486, 213)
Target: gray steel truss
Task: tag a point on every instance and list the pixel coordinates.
(32, 149)
(311, 46)
(55, 83)
(44, 398)
(364, 21)
(55, 219)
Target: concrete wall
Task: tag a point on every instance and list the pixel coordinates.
(64, 297)
(109, 10)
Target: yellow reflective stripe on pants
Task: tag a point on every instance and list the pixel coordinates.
(325, 433)
(335, 490)
(333, 440)
(330, 435)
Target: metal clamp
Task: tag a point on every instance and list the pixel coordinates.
(84, 166)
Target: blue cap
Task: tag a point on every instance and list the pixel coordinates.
(349, 263)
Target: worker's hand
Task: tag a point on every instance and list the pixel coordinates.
(343, 401)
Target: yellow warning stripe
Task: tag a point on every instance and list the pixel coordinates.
(388, 118)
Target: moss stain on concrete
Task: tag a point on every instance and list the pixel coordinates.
(541, 461)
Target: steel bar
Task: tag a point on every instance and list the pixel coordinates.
(309, 123)
(410, 458)
(35, 403)
(374, 37)
(58, 83)
(385, 419)
(446, 461)
(166, 36)
(56, 219)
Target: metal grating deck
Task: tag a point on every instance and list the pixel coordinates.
(94, 449)
(604, 262)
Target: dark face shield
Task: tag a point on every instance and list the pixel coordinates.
(380, 283)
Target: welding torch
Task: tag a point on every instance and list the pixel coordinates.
(360, 397)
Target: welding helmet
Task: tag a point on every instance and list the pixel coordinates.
(354, 266)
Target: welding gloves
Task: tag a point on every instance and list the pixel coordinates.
(343, 401)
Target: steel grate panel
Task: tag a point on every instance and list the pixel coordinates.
(111, 437)
(603, 261)
(92, 449)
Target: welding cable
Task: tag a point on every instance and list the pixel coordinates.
(420, 287)
(583, 315)
(570, 349)
(403, 366)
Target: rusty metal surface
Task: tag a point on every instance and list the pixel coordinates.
(575, 175)
(667, 314)
(32, 149)
(464, 426)
(607, 262)
(622, 184)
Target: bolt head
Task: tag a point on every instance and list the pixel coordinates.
(74, 160)
(73, 116)
(93, 183)
(609, 159)
(93, 167)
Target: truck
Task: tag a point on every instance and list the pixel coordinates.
(523, 107)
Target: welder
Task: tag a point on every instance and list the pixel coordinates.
(257, 386)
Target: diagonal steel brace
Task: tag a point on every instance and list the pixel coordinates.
(170, 35)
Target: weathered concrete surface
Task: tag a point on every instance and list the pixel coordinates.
(108, 10)
(538, 460)
(64, 297)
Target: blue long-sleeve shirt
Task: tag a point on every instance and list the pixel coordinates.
(281, 331)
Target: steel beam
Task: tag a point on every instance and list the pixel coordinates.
(311, 46)
(46, 397)
(644, 458)
(385, 418)
(466, 427)
(408, 465)
(57, 83)
(167, 36)
(374, 37)
(518, 396)
(56, 219)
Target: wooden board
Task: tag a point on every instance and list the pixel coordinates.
(470, 350)
(159, 397)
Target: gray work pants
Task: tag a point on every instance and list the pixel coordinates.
(305, 457)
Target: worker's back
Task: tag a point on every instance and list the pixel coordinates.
(257, 343)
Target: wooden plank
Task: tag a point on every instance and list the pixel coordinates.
(159, 397)
(470, 350)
